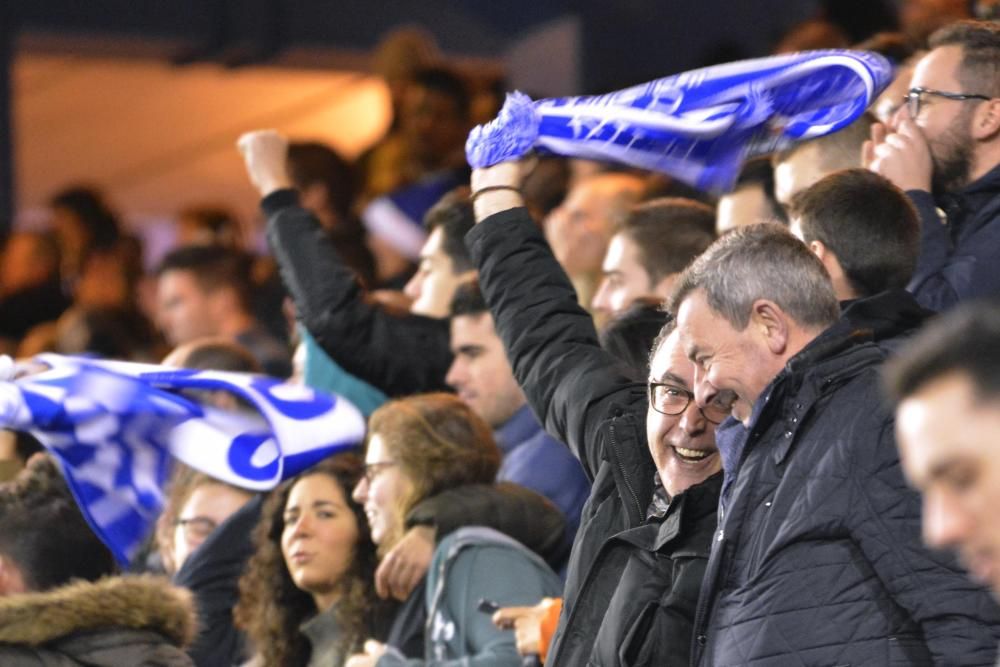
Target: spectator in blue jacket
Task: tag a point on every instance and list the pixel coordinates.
(483, 379)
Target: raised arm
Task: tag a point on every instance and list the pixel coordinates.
(569, 380)
(399, 355)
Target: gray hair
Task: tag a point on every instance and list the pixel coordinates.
(762, 261)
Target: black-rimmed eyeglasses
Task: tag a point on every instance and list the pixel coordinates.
(669, 399)
(914, 98)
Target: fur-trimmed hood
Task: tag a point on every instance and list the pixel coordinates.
(132, 602)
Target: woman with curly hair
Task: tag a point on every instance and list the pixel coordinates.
(308, 596)
(416, 448)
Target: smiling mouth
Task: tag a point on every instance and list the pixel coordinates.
(693, 455)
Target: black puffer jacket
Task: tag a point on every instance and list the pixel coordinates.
(891, 317)
(631, 588)
(818, 559)
(399, 355)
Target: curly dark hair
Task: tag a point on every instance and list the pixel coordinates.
(272, 607)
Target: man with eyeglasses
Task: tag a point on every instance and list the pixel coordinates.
(818, 558)
(648, 451)
(943, 148)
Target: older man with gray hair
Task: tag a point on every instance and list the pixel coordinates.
(818, 558)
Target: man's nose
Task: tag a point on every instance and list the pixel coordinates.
(693, 419)
(704, 391)
(945, 523)
(899, 115)
(414, 286)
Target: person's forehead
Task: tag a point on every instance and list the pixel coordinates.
(690, 312)
(178, 281)
(434, 245)
(621, 253)
(939, 69)
(375, 451)
(474, 329)
(670, 358)
(944, 421)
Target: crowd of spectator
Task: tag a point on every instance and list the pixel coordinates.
(611, 420)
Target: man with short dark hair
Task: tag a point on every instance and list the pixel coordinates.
(399, 354)
(751, 200)
(60, 603)
(482, 378)
(650, 249)
(946, 384)
(866, 233)
(205, 291)
(798, 167)
(943, 148)
(818, 557)
(863, 229)
(444, 262)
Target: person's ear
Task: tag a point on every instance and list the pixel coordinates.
(11, 579)
(986, 121)
(770, 324)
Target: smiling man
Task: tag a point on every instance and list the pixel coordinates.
(818, 557)
(640, 552)
(947, 384)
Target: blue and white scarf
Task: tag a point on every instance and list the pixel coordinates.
(115, 427)
(699, 126)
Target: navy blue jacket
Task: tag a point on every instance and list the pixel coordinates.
(959, 254)
(818, 559)
(536, 460)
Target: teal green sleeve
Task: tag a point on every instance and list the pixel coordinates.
(323, 373)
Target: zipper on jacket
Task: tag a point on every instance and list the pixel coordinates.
(624, 472)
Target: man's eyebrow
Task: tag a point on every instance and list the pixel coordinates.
(468, 349)
(672, 378)
(943, 468)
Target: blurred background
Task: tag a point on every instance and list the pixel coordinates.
(145, 98)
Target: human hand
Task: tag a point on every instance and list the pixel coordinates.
(403, 567)
(902, 156)
(506, 177)
(373, 651)
(526, 623)
(265, 155)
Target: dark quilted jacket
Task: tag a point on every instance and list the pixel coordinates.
(818, 559)
(632, 585)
